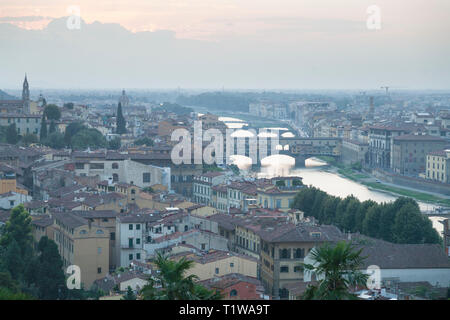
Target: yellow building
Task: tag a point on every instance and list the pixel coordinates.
(8, 182)
(42, 226)
(280, 195)
(437, 167)
(201, 210)
(105, 219)
(83, 244)
(218, 263)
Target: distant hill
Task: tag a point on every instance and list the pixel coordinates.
(5, 96)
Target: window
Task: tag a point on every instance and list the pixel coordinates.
(130, 227)
(233, 293)
(299, 253)
(130, 242)
(11, 203)
(146, 177)
(99, 250)
(112, 236)
(138, 241)
(278, 203)
(99, 270)
(231, 264)
(99, 231)
(133, 191)
(115, 165)
(138, 256)
(79, 165)
(217, 270)
(203, 246)
(130, 256)
(138, 227)
(284, 269)
(315, 235)
(285, 253)
(97, 166)
(298, 269)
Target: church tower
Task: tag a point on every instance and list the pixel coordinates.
(26, 96)
(124, 100)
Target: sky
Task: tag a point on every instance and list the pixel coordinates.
(265, 44)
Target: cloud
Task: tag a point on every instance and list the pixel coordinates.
(302, 54)
(24, 19)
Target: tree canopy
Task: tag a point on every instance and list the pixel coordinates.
(52, 112)
(172, 284)
(400, 221)
(85, 138)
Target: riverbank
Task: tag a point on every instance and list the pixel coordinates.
(375, 184)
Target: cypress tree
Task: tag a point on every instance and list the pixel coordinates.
(121, 125)
(43, 133)
(11, 134)
(52, 127)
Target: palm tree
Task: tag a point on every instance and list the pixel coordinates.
(338, 267)
(170, 282)
(129, 295)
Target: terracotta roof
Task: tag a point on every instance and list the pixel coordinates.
(93, 214)
(231, 279)
(70, 220)
(418, 137)
(400, 256)
(45, 221)
(440, 153)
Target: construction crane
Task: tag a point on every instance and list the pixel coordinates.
(387, 90)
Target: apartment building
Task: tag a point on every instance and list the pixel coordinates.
(202, 186)
(117, 168)
(25, 123)
(219, 197)
(437, 166)
(409, 152)
(380, 142)
(283, 248)
(82, 243)
(131, 232)
(217, 263)
(280, 195)
(105, 219)
(354, 151)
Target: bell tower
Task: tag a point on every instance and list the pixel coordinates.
(26, 96)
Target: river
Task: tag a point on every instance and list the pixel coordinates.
(316, 174)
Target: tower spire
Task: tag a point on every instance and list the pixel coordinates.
(26, 95)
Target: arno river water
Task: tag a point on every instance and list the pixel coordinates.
(316, 174)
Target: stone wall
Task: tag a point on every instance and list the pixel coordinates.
(412, 182)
